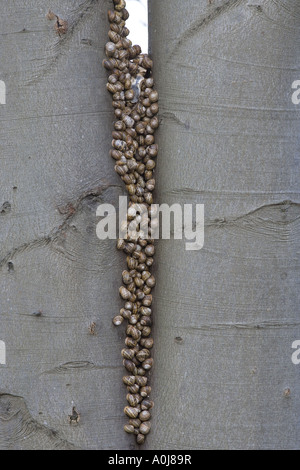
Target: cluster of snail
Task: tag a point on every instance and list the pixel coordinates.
(135, 104)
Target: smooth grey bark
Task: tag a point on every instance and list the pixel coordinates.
(226, 316)
(55, 137)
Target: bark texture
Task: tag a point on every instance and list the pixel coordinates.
(54, 141)
(226, 316)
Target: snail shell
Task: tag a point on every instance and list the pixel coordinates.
(110, 49)
(146, 342)
(133, 388)
(132, 164)
(140, 371)
(130, 342)
(131, 412)
(154, 123)
(152, 150)
(131, 262)
(128, 121)
(146, 331)
(129, 379)
(151, 281)
(145, 321)
(125, 14)
(115, 154)
(111, 88)
(140, 128)
(125, 31)
(113, 36)
(140, 294)
(144, 415)
(149, 82)
(146, 289)
(141, 356)
(133, 400)
(148, 363)
(145, 427)
(124, 293)
(129, 94)
(148, 175)
(129, 428)
(145, 391)
(117, 320)
(140, 439)
(145, 311)
(119, 144)
(145, 275)
(119, 4)
(121, 169)
(135, 422)
(128, 305)
(132, 331)
(134, 51)
(150, 165)
(147, 404)
(127, 354)
(126, 43)
(153, 96)
(120, 126)
(133, 319)
(150, 185)
(154, 108)
(141, 381)
(111, 15)
(147, 62)
(123, 55)
(120, 244)
(138, 282)
(108, 64)
(127, 279)
(130, 366)
(147, 300)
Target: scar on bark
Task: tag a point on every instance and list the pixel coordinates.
(19, 428)
(55, 51)
(74, 418)
(92, 329)
(6, 208)
(60, 26)
(69, 210)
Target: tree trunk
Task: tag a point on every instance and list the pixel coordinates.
(55, 170)
(226, 315)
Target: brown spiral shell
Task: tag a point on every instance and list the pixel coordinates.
(134, 152)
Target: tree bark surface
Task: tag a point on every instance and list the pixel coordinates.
(55, 137)
(226, 315)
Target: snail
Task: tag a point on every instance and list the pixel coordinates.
(134, 151)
